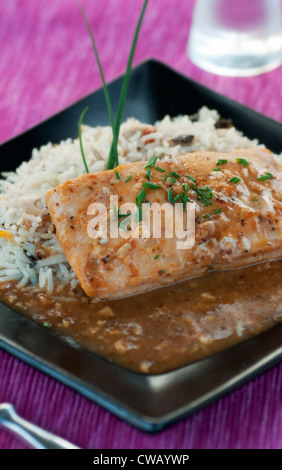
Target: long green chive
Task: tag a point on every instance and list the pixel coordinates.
(80, 139)
(242, 161)
(151, 185)
(266, 176)
(216, 169)
(170, 195)
(117, 174)
(128, 178)
(151, 162)
(192, 179)
(125, 82)
(221, 162)
(113, 155)
(234, 180)
(160, 169)
(218, 211)
(140, 197)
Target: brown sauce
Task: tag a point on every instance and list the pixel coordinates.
(166, 328)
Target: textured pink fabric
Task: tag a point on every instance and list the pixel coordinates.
(46, 63)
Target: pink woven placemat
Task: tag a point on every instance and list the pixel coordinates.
(47, 63)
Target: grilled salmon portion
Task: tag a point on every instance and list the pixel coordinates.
(237, 199)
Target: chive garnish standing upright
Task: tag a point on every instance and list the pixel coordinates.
(80, 139)
(113, 155)
(125, 82)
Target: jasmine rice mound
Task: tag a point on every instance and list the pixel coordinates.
(29, 251)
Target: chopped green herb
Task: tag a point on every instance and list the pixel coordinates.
(172, 180)
(163, 271)
(140, 197)
(192, 179)
(175, 199)
(160, 169)
(123, 224)
(128, 178)
(151, 185)
(184, 197)
(151, 162)
(138, 215)
(173, 173)
(234, 180)
(218, 211)
(206, 216)
(170, 195)
(255, 199)
(156, 257)
(115, 212)
(148, 202)
(185, 186)
(216, 169)
(242, 161)
(266, 176)
(148, 174)
(221, 162)
(46, 324)
(80, 139)
(165, 177)
(117, 174)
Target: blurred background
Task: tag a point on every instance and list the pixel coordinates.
(47, 63)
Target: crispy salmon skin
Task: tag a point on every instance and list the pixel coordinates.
(238, 205)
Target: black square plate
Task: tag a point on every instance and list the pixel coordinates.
(147, 401)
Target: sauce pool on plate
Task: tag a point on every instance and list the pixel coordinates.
(166, 328)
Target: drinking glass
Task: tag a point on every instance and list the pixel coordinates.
(236, 37)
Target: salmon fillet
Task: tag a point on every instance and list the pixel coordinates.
(238, 205)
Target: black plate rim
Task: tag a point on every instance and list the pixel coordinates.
(144, 421)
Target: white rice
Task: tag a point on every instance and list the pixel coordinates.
(34, 256)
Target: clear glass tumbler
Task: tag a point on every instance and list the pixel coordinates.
(236, 37)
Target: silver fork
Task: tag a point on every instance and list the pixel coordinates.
(34, 435)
